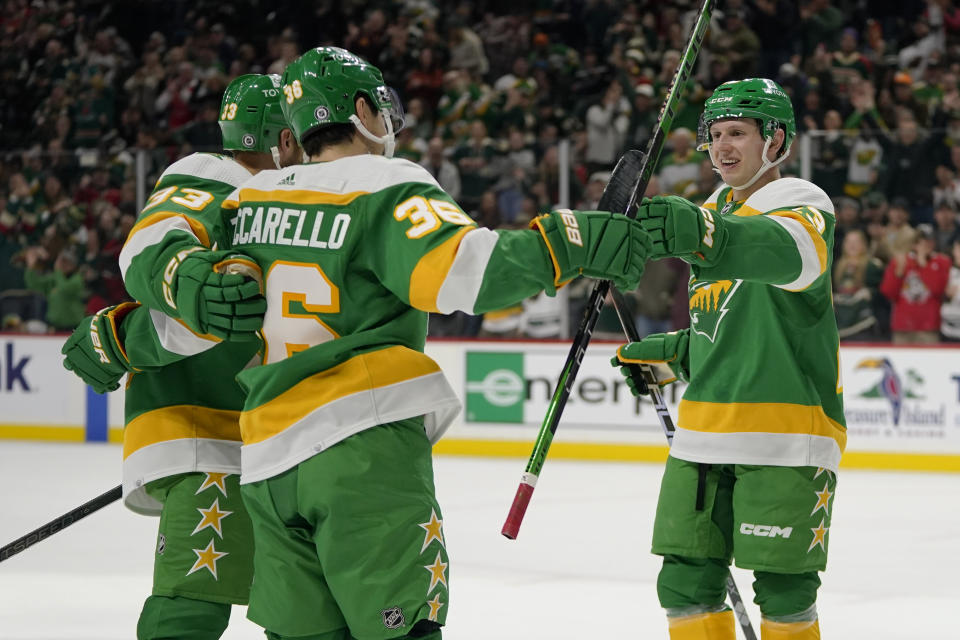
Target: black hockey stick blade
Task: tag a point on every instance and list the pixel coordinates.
(617, 193)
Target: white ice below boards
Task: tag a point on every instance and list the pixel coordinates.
(581, 567)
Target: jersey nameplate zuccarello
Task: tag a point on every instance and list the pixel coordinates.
(355, 253)
(764, 351)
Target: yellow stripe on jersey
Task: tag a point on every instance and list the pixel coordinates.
(746, 211)
(759, 417)
(360, 373)
(299, 196)
(818, 242)
(431, 271)
(179, 422)
(198, 229)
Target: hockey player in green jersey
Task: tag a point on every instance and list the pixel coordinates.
(752, 468)
(356, 249)
(182, 435)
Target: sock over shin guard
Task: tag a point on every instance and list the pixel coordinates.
(807, 630)
(704, 626)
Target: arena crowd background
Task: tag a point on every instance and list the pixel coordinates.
(515, 107)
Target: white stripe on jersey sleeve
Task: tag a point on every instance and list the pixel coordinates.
(788, 193)
(149, 236)
(176, 338)
(206, 166)
(461, 287)
(809, 261)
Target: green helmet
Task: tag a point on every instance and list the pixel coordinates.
(757, 98)
(321, 86)
(250, 114)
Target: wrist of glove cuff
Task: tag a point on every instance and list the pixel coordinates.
(553, 233)
(596, 244)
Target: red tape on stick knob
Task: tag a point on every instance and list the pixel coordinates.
(519, 507)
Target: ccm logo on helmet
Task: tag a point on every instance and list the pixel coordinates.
(765, 530)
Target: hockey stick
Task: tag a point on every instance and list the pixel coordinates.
(59, 524)
(551, 420)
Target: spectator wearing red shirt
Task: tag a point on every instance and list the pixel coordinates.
(915, 284)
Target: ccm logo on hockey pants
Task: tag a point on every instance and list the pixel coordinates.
(765, 530)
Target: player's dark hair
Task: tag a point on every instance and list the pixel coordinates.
(333, 134)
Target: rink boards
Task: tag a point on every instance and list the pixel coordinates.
(902, 404)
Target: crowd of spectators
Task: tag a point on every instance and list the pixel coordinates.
(90, 90)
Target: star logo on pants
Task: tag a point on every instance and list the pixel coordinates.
(437, 573)
(211, 518)
(819, 537)
(434, 605)
(217, 480)
(823, 500)
(434, 529)
(207, 559)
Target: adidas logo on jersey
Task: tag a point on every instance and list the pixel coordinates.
(287, 182)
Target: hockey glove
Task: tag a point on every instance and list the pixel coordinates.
(667, 353)
(679, 228)
(208, 292)
(606, 246)
(94, 351)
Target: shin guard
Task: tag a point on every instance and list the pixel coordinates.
(806, 630)
(704, 626)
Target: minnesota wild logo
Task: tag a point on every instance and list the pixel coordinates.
(708, 305)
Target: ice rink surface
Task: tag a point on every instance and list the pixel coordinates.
(581, 567)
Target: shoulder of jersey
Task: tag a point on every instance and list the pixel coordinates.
(790, 192)
(209, 166)
(365, 173)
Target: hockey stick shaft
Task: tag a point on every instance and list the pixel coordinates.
(551, 420)
(59, 524)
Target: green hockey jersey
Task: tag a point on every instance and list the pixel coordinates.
(764, 353)
(182, 407)
(355, 253)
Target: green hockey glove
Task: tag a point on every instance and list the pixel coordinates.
(667, 353)
(215, 293)
(94, 351)
(681, 229)
(598, 244)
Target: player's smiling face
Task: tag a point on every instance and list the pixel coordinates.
(735, 149)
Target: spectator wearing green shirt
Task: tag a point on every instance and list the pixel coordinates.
(63, 287)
